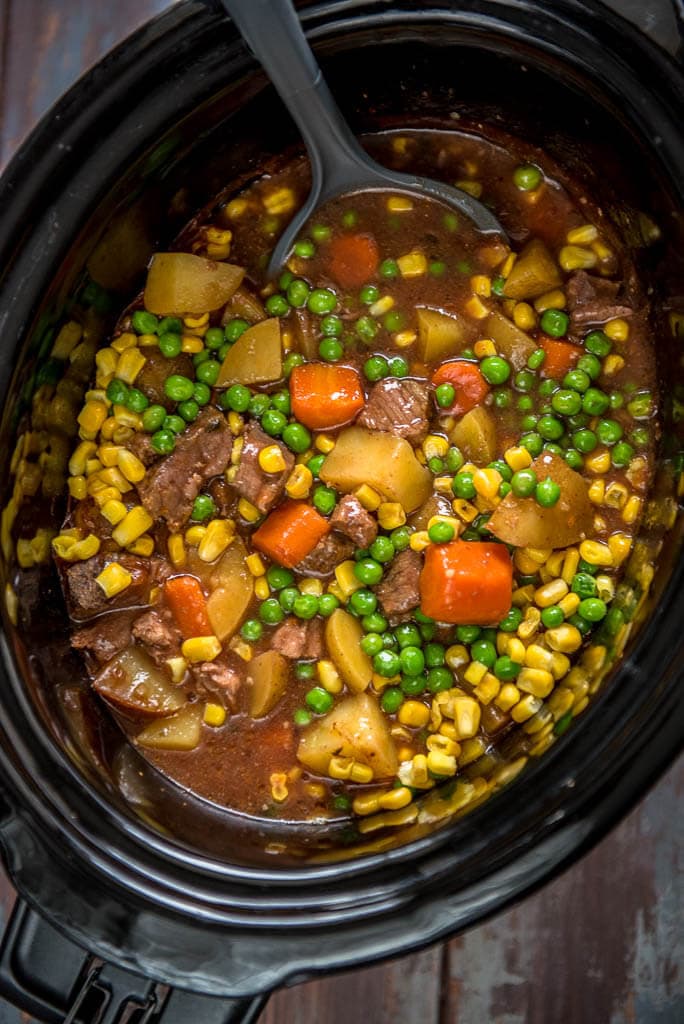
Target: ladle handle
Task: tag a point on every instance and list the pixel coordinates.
(272, 30)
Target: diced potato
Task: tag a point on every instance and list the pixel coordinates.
(246, 305)
(384, 462)
(475, 435)
(178, 282)
(231, 588)
(132, 682)
(266, 679)
(357, 728)
(441, 334)
(512, 343)
(181, 731)
(255, 358)
(343, 635)
(534, 272)
(525, 523)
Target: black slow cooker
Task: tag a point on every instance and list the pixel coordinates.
(138, 901)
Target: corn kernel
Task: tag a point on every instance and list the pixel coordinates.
(281, 200)
(487, 690)
(598, 461)
(346, 578)
(526, 708)
(476, 308)
(201, 648)
(113, 579)
(576, 257)
(248, 511)
(550, 593)
(619, 546)
(255, 564)
(435, 446)
(584, 235)
(419, 540)
(219, 534)
(78, 489)
(78, 550)
(68, 337)
(464, 510)
(403, 339)
(236, 208)
(391, 515)
(271, 459)
(261, 588)
(632, 510)
(473, 188)
(414, 713)
(369, 498)
(105, 366)
(596, 553)
(569, 604)
(524, 316)
(466, 717)
(328, 676)
(299, 482)
(90, 419)
(475, 673)
(487, 482)
(130, 465)
(507, 697)
(278, 783)
(361, 773)
(537, 681)
(325, 443)
(143, 546)
(617, 330)
(214, 714)
(129, 365)
(399, 204)
(136, 522)
(125, 418)
(517, 458)
(441, 764)
(365, 804)
(537, 656)
(612, 364)
(597, 491)
(565, 638)
(382, 306)
(481, 285)
(550, 300)
(396, 799)
(456, 656)
(484, 347)
(191, 344)
(443, 744)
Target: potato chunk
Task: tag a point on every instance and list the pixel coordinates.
(383, 461)
(132, 682)
(178, 283)
(510, 341)
(356, 727)
(266, 679)
(525, 523)
(440, 334)
(534, 272)
(232, 589)
(343, 635)
(255, 358)
(475, 435)
(181, 731)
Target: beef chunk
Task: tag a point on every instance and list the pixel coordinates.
(251, 482)
(295, 638)
(593, 300)
(217, 681)
(141, 446)
(86, 597)
(351, 519)
(158, 633)
(157, 368)
(105, 638)
(170, 487)
(329, 552)
(398, 406)
(224, 496)
(398, 592)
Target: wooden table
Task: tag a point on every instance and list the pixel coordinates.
(603, 944)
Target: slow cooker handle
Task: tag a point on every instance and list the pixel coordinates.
(57, 982)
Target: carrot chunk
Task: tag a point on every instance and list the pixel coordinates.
(290, 532)
(561, 356)
(466, 582)
(470, 386)
(186, 599)
(353, 259)
(325, 396)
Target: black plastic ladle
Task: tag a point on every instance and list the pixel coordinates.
(339, 165)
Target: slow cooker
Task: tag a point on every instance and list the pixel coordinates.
(137, 900)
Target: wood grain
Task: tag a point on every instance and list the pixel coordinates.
(604, 943)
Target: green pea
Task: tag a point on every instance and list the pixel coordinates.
(371, 644)
(324, 499)
(505, 668)
(616, 400)
(581, 624)
(291, 360)
(413, 686)
(546, 388)
(598, 343)
(389, 268)
(314, 464)
(251, 630)
(305, 249)
(547, 492)
(208, 372)
(495, 370)
(394, 321)
(641, 406)
(319, 700)
(435, 465)
(368, 571)
(398, 367)
(305, 670)
(439, 679)
(523, 483)
(305, 606)
(144, 322)
(445, 395)
(163, 441)
(593, 609)
(401, 538)
(273, 422)
(498, 285)
(504, 489)
(552, 617)
(332, 325)
(330, 350)
(483, 651)
(437, 268)
(566, 402)
(170, 345)
(174, 423)
(214, 338)
(298, 293)
(608, 431)
(296, 437)
(467, 634)
(369, 294)
(277, 577)
(153, 417)
(412, 661)
(382, 549)
(454, 459)
(550, 428)
(391, 700)
(375, 368)
(555, 322)
(363, 602)
(510, 623)
(585, 440)
(527, 177)
(574, 459)
(136, 401)
(235, 328)
(270, 611)
(366, 328)
(281, 401)
(301, 717)
(590, 365)
(287, 597)
(407, 635)
(622, 454)
(502, 398)
(170, 324)
(350, 218)
(321, 301)
(523, 380)
(320, 232)
(528, 423)
(615, 620)
(117, 391)
(188, 410)
(583, 585)
(536, 359)
(277, 305)
(386, 664)
(441, 533)
(533, 443)
(435, 655)
(578, 380)
(237, 397)
(639, 437)
(201, 393)
(463, 487)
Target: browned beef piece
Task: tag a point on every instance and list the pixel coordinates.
(295, 638)
(224, 496)
(398, 592)
(329, 552)
(251, 482)
(351, 519)
(593, 300)
(398, 405)
(85, 596)
(217, 680)
(87, 517)
(158, 633)
(141, 445)
(105, 638)
(170, 487)
(157, 368)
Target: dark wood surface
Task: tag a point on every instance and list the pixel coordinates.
(604, 943)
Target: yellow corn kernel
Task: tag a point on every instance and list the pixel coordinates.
(507, 697)
(550, 593)
(464, 510)
(108, 454)
(537, 656)
(619, 545)
(328, 676)
(130, 465)
(487, 482)
(124, 341)
(598, 461)
(584, 235)
(261, 588)
(550, 300)
(597, 491)
(136, 522)
(615, 495)
(523, 562)
(569, 604)
(530, 624)
(617, 330)
(570, 563)
(108, 428)
(125, 418)
(219, 534)
(466, 716)
(399, 204)
(113, 477)
(391, 515)
(278, 784)
(441, 764)
(147, 340)
(516, 650)
(576, 257)
(361, 773)
(310, 585)
(381, 306)
(523, 595)
(487, 690)
(481, 285)
(365, 804)
(201, 648)
(105, 365)
(403, 339)
(346, 578)
(526, 708)
(24, 554)
(476, 308)
(369, 498)
(324, 443)
(517, 458)
(113, 579)
(473, 188)
(443, 744)
(106, 495)
(248, 511)
(560, 665)
(524, 316)
(255, 564)
(281, 200)
(69, 336)
(299, 482)
(395, 799)
(456, 656)
(91, 418)
(271, 459)
(596, 553)
(214, 714)
(339, 767)
(419, 540)
(537, 681)
(484, 347)
(612, 364)
(129, 365)
(78, 487)
(412, 264)
(475, 673)
(218, 236)
(414, 714)
(554, 563)
(236, 208)
(191, 344)
(632, 510)
(566, 638)
(435, 446)
(78, 551)
(142, 546)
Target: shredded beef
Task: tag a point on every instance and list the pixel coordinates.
(295, 638)
(157, 631)
(86, 597)
(351, 519)
(262, 489)
(593, 300)
(217, 680)
(329, 552)
(398, 592)
(398, 405)
(170, 487)
(105, 638)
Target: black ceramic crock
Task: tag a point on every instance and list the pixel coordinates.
(150, 884)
